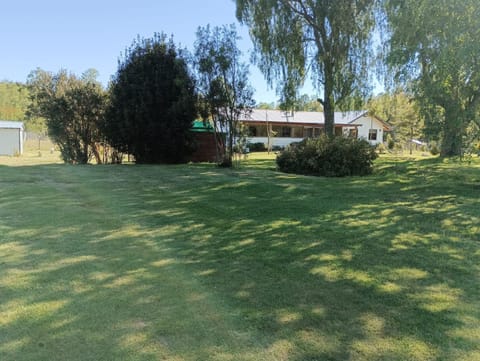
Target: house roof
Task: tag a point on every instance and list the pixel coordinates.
(8, 124)
(387, 127)
(300, 118)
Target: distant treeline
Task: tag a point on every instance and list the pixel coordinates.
(14, 101)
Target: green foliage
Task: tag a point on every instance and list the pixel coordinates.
(306, 103)
(331, 157)
(257, 147)
(434, 48)
(390, 142)
(471, 139)
(83, 109)
(14, 103)
(73, 108)
(476, 148)
(153, 103)
(331, 40)
(263, 105)
(223, 83)
(380, 148)
(400, 110)
(434, 149)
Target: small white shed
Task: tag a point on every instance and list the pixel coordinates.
(11, 137)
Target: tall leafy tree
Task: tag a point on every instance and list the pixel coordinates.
(307, 103)
(433, 46)
(223, 83)
(14, 103)
(331, 39)
(153, 103)
(402, 112)
(73, 109)
(265, 105)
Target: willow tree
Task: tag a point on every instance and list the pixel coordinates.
(433, 46)
(331, 40)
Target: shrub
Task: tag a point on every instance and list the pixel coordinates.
(256, 147)
(331, 157)
(434, 150)
(381, 149)
(390, 142)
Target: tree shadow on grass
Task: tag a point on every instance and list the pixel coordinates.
(197, 263)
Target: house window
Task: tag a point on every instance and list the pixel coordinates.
(317, 132)
(252, 131)
(297, 132)
(372, 134)
(286, 132)
(261, 131)
(307, 132)
(353, 133)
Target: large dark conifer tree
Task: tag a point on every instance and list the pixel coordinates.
(153, 103)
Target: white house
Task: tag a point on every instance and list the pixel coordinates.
(11, 137)
(286, 127)
(371, 128)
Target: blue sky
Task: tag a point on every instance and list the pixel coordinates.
(78, 35)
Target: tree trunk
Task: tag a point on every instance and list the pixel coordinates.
(328, 112)
(411, 140)
(452, 133)
(84, 156)
(96, 153)
(219, 142)
(329, 104)
(231, 135)
(269, 137)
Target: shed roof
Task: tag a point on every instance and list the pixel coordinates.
(8, 124)
(201, 127)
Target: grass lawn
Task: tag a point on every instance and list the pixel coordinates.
(193, 262)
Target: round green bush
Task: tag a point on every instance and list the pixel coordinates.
(381, 149)
(256, 147)
(330, 157)
(390, 142)
(434, 149)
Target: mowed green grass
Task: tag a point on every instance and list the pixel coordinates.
(194, 262)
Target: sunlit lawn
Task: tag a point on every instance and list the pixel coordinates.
(193, 262)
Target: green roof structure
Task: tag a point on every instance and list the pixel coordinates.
(200, 127)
